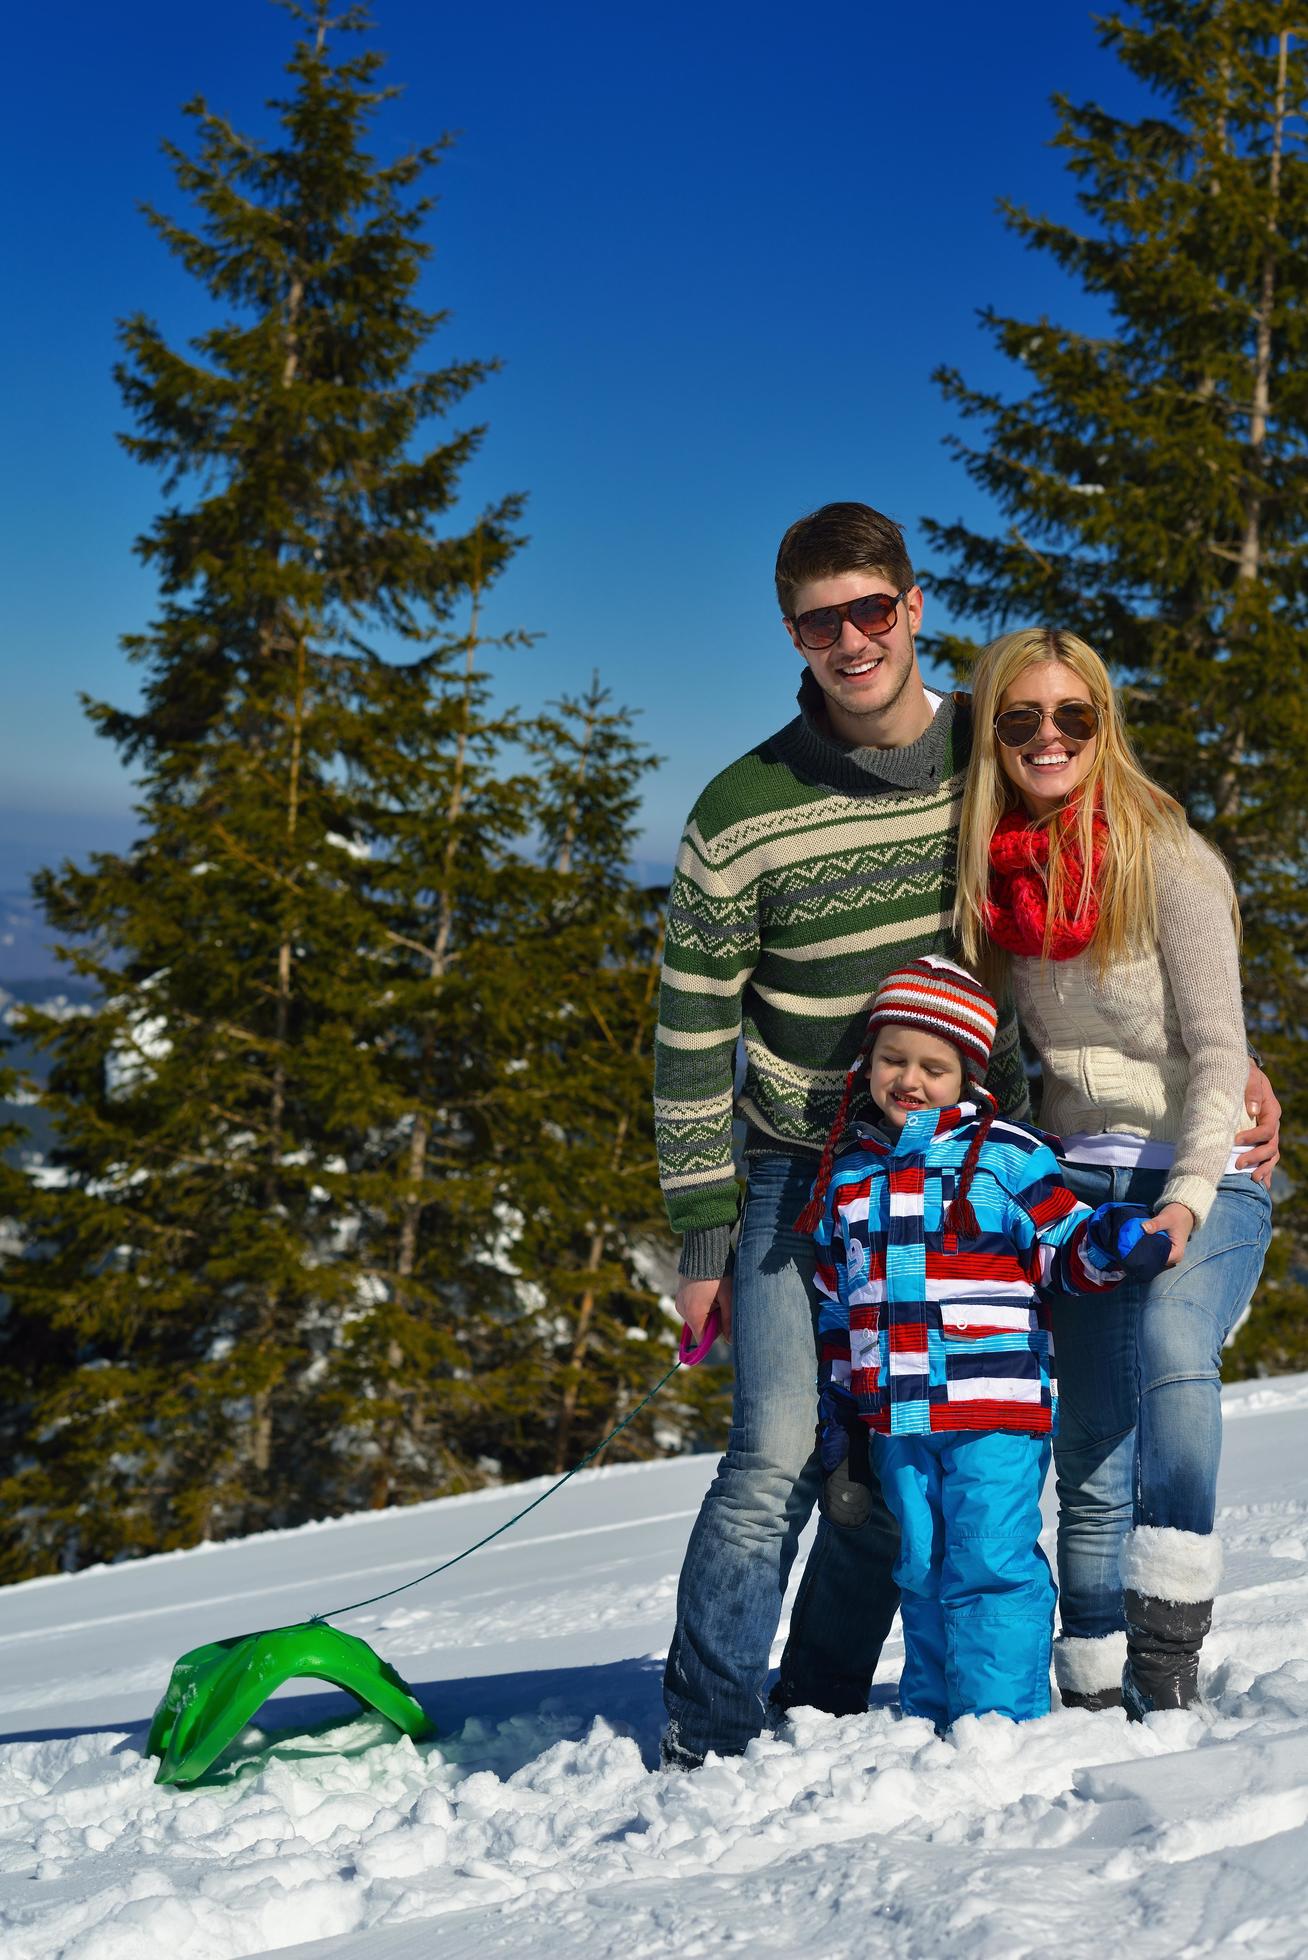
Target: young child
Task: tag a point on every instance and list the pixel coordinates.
(934, 1232)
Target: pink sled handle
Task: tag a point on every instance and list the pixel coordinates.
(688, 1354)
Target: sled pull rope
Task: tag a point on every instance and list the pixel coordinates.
(686, 1356)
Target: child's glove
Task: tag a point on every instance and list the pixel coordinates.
(842, 1445)
(1115, 1236)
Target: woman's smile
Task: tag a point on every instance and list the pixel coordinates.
(1045, 768)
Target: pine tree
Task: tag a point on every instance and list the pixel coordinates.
(1152, 475)
(418, 1383)
(585, 1173)
(231, 1246)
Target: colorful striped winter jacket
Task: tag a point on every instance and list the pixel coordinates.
(929, 1331)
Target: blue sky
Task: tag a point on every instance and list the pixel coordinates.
(719, 249)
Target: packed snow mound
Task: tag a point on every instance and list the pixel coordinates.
(536, 1819)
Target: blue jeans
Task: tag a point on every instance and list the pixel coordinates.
(741, 1550)
(1139, 1432)
(977, 1595)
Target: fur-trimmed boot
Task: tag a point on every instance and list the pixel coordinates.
(1169, 1579)
(1089, 1672)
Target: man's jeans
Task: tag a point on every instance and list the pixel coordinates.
(1139, 1431)
(743, 1545)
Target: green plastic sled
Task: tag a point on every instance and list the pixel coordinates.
(215, 1690)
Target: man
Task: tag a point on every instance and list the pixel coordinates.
(809, 869)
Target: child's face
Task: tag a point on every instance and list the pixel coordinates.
(910, 1069)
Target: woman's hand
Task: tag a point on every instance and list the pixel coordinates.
(1262, 1144)
(1178, 1223)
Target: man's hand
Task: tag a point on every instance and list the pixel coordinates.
(696, 1299)
(1262, 1144)
(1178, 1223)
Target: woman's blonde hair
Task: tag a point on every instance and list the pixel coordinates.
(1138, 812)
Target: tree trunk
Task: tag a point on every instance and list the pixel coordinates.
(1250, 551)
(420, 1134)
(564, 864)
(581, 1333)
(261, 1403)
(1227, 795)
(438, 957)
(586, 1309)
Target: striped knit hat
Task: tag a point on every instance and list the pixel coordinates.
(945, 1000)
(942, 999)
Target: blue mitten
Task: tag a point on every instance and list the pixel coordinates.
(1115, 1236)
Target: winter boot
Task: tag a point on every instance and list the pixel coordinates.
(1169, 1579)
(674, 1754)
(1089, 1672)
(835, 1695)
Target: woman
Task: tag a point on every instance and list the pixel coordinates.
(1118, 926)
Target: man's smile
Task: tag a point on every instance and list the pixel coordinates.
(867, 663)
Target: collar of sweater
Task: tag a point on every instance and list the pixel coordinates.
(916, 1131)
(922, 765)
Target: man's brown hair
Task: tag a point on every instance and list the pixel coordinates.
(840, 538)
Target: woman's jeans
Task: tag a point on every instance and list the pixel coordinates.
(733, 1580)
(1139, 1433)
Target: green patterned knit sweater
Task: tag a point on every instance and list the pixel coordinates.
(806, 873)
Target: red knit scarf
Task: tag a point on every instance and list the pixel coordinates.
(1017, 907)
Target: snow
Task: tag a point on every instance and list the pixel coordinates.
(535, 1820)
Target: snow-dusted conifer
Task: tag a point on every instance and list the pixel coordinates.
(577, 1118)
(235, 1235)
(1150, 475)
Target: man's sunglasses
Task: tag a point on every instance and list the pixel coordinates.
(874, 613)
(1078, 720)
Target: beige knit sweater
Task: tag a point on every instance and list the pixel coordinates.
(1156, 1048)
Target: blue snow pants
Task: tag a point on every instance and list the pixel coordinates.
(977, 1596)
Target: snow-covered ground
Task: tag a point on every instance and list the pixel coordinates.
(535, 1823)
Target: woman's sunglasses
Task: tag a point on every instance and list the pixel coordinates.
(874, 613)
(1078, 720)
